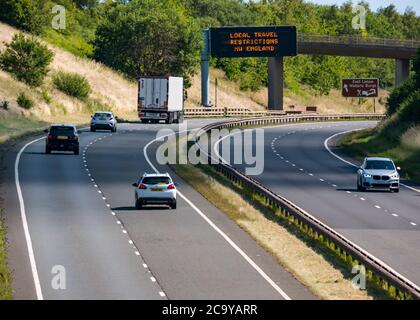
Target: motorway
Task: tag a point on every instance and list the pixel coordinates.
(76, 212)
(299, 167)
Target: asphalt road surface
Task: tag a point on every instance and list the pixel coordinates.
(299, 167)
(81, 221)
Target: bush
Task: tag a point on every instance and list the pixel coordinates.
(27, 59)
(408, 115)
(399, 95)
(24, 101)
(72, 84)
(46, 97)
(4, 104)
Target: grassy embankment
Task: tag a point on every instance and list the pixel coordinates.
(398, 137)
(405, 154)
(110, 91)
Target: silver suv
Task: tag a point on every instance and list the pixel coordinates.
(378, 173)
(103, 120)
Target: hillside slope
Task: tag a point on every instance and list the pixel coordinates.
(109, 90)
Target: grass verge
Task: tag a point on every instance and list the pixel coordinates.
(314, 265)
(5, 276)
(13, 128)
(370, 142)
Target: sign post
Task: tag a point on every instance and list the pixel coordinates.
(274, 42)
(361, 88)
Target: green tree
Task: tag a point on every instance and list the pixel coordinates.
(400, 95)
(24, 14)
(149, 37)
(416, 69)
(27, 59)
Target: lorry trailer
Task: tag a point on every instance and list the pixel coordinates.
(161, 98)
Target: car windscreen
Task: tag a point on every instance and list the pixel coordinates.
(379, 165)
(102, 115)
(62, 131)
(156, 180)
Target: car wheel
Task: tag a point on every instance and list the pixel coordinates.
(173, 205)
(76, 151)
(114, 129)
(359, 186)
(396, 190)
(92, 129)
(47, 150)
(139, 205)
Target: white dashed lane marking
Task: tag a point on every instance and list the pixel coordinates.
(123, 230)
(311, 174)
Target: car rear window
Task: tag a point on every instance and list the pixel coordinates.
(102, 115)
(156, 180)
(379, 165)
(62, 131)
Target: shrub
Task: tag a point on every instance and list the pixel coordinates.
(4, 104)
(27, 59)
(399, 95)
(46, 96)
(408, 115)
(72, 84)
(24, 101)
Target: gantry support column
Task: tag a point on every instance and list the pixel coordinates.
(205, 70)
(275, 83)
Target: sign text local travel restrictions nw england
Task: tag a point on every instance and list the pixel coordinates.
(253, 41)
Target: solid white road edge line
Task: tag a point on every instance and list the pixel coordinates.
(25, 222)
(226, 237)
(32, 261)
(348, 162)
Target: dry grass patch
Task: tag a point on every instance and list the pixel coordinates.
(315, 267)
(411, 138)
(108, 86)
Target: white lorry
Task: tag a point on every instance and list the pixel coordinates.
(161, 98)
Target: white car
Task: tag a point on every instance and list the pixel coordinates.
(378, 173)
(155, 188)
(103, 120)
